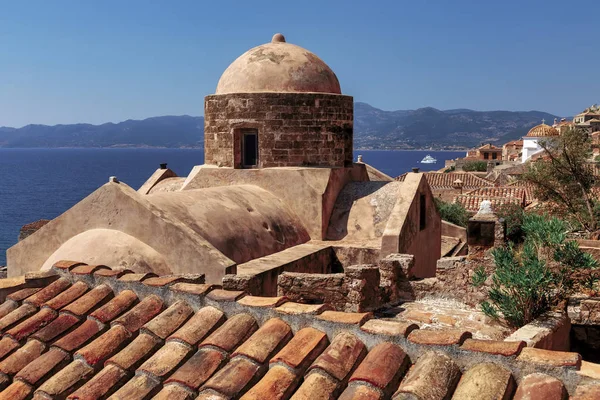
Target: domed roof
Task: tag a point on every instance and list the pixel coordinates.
(278, 67)
(542, 130)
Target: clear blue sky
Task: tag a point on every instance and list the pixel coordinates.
(98, 61)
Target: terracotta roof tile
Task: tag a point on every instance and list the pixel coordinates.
(258, 301)
(169, 320)
(66, 264)
(292, 308)
(167, 280)
(89, 300)
(316, 385)
(87, 269)
(67, 296)
(61, 324)
(7, 307)
(166, 359)
(7, 345)
(233, 332)
(23, 356)
(339, 358)
(48, 292)
(13, 317)
(445, 337)
(79, 336)
(103, 383)
(198, 368)
(503, 348)
(344, 317)
(445, 181)
(136, 352)
(105, 345)
(174, 392)
(278, 383)
(302, 349)
(267, 340)
(199, 289)
(22, 294)
(44, 366)
(115, 307)
(32, 324)
(360, 392)
(246, 352)
(18, 390)
(382, 367)
(488, 380)
(433, 376)
(236, 377)
(225, 295)
(197, 327)
(548, 357)
(141, 313)
(390, 328)
(112, 273)
(137, 277)
(540, 387)
(139, 387)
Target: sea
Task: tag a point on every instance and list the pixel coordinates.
(44, 183)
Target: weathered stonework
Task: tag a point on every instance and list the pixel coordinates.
(294, 129)
(355, 290)
(393, 269)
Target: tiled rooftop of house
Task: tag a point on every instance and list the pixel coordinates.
(496, 195)
(89, 332)
(440, 180)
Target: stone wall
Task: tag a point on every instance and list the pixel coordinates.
(294, 129)
(452, 281)
(355, 290)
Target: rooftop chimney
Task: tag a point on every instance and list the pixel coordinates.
(415, 170)
(163, 165)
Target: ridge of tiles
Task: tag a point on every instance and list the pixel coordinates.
(95, 334)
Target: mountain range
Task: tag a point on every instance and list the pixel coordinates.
(373, 129)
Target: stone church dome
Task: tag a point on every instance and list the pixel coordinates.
(542, 130)
(278, 67)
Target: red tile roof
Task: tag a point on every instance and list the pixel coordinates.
(441, 180)
(496, 195)
(97, 336)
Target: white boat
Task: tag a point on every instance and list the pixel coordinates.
(428, 160)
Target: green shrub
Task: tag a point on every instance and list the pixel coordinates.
(513, 215)
(454, 213)
(477, 166)
(529, 282)
(479, 276)
(520, 286)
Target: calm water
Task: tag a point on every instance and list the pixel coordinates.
(43, 183)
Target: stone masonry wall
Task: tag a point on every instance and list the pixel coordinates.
(294, 129)
(355, 290)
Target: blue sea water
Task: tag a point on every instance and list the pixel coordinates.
(44, 183)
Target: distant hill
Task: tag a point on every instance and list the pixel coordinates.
(373, 129)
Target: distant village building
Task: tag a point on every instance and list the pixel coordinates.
(589, 119)
(531, 141)
(512, 150)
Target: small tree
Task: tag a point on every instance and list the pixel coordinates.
(478, 166)
(528, 282)
(454, 213)
(564, 177)
(513, 215)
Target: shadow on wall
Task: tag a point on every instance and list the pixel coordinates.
(362, 210)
